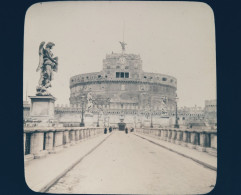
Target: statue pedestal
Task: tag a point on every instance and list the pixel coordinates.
(42, 108)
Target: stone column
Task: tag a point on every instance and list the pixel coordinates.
(179, 137)
(203, 142)
(36, 146)
(58, 141)
(159, 133)
(214, 140)
(77, 135)
(203, 139)
(164, 134)
(49, 141)
(193, 140)
(174, 136)
(213, 149)
(72, 137)
(80, 136)
(169, 135)
(66, 139)
(184, 138)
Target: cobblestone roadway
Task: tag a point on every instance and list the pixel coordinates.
(127, 164)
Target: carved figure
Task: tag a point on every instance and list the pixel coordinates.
(123, 45)
(47, 64)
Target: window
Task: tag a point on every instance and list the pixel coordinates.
(127, 67)
(144, 77)
(117, 67)
(122, 74)
(164, 79)
(99, 76)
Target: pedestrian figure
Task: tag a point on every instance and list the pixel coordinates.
(126, 130)
(110, 129)
(132, 129)
(105, 131)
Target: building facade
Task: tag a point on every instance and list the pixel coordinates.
(123, 88)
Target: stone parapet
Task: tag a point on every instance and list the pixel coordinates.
(40, 141)
(201, 140)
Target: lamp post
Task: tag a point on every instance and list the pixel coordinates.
(82, 124)
(176, 121)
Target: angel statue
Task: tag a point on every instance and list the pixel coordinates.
(47, 64)
(123, 46)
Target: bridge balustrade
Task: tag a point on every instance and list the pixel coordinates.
(40, 141)
(202, 140)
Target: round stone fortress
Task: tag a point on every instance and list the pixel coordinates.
(122, 88)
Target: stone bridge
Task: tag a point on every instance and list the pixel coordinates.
(148, 160)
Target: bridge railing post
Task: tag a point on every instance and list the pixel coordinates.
(37, 144)
(77, 136)
(66, 140)
(49, 141)
(179, 137)
(192, 143)
(169, 135)
(185, 138)
(72, 137)
(213, 143)
(174, 136)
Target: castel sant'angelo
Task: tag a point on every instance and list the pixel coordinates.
(123, 90)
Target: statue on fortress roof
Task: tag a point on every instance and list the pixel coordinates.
(123, 45)
(47, 64)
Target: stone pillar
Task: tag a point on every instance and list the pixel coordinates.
(36, 146)
(174, 136)
(213, 149)
(164, 134)
(80, 136)
(193, 140)
(203, 141)
(77, 135)
(214, 140)
(58, 139)
(49, 141)
(169, 135)
(184, 138)
(179, 137)
(58, 142)
(66, 138)
(72, 137)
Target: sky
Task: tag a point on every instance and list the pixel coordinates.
(173, 38)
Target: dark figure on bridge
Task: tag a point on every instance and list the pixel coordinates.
(126, 130)
(110, 129)
(132, 129)
(105, 131)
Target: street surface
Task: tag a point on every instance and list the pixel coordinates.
(127, 164)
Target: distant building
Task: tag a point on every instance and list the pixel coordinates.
(210, 112)
(123, 88)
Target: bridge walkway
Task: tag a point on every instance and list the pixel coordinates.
(128, 164)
